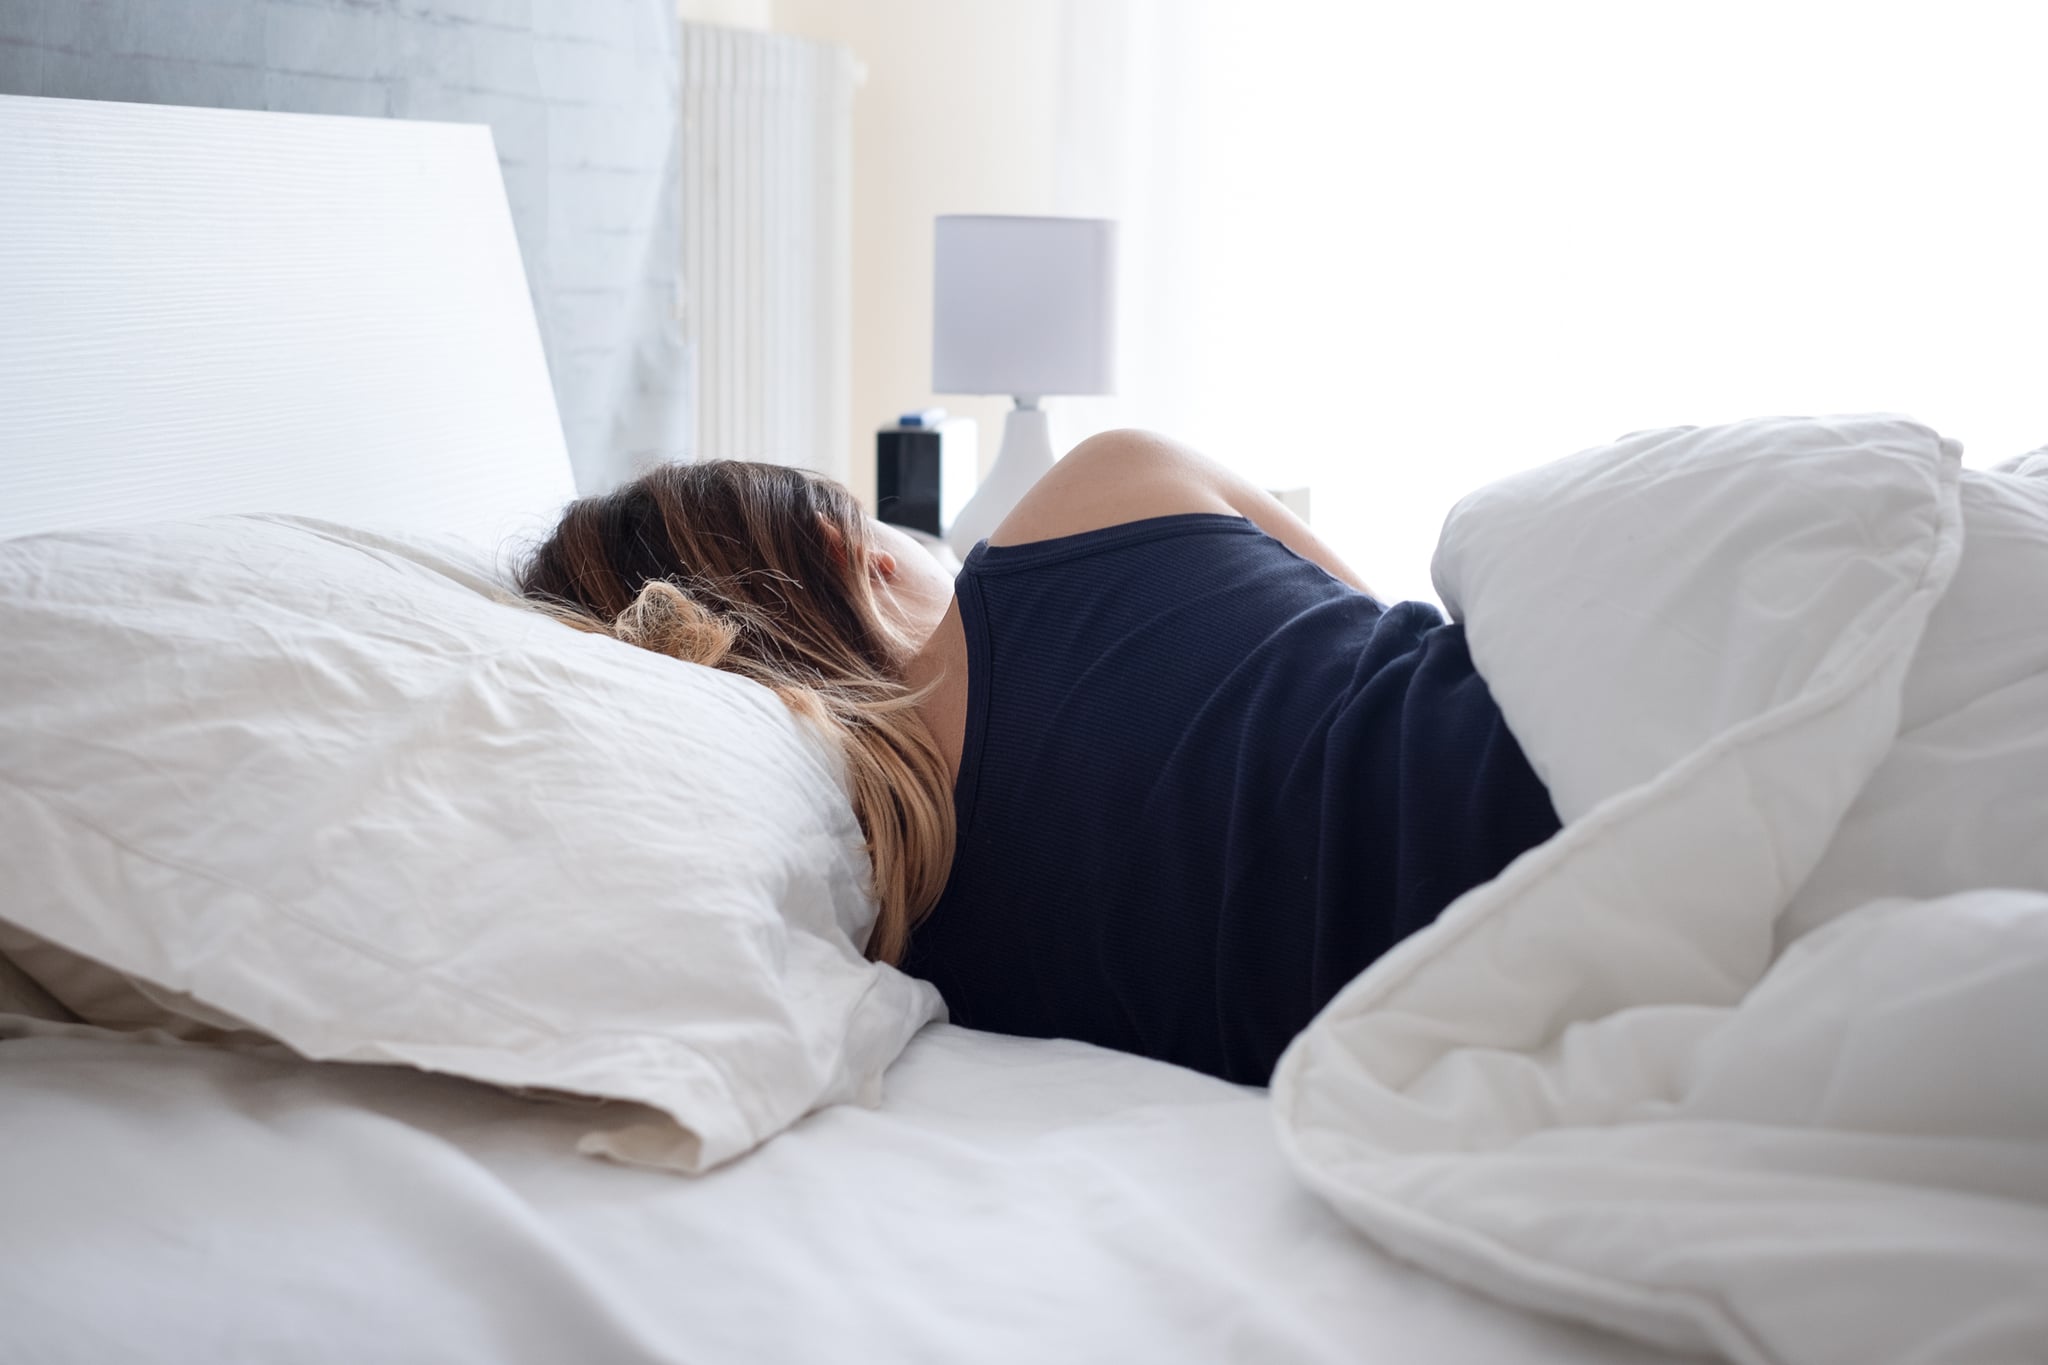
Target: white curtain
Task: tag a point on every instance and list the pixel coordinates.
(1392, 251)
(1130, 148)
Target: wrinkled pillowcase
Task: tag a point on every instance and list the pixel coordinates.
(43, 981)
(341, 790)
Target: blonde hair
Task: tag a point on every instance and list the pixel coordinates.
(762, 571)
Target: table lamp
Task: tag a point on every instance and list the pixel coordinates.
(1024, 307)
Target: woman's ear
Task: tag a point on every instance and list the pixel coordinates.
(881, 563)
(835, 542)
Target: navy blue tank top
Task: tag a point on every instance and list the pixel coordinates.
(1203, 785)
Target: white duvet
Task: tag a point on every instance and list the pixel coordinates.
(1754, 1055)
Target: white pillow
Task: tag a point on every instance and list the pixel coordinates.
(21, 994)
(81, 989)
(343, 789)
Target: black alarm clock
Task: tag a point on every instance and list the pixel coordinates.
(924, 470)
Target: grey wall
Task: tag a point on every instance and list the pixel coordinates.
(581, 96)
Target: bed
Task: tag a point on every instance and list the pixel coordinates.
(1008, 1200)
(388, 971)
(227, 313)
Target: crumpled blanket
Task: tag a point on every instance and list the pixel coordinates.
(1753, 1056)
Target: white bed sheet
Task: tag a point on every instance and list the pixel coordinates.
(1011, 1200)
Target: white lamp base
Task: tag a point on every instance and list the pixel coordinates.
(1025, 456)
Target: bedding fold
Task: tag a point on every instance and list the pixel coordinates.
(1611, 1083)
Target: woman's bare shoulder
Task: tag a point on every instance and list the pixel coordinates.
(1112, 478)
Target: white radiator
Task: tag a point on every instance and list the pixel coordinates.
(767, 244)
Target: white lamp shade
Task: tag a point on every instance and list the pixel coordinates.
(1024, 306)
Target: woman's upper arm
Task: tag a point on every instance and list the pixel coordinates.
(1107, 480)
(1121, 476)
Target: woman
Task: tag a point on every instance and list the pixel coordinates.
(1156, 771)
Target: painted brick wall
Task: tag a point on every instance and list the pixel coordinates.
(581, 96)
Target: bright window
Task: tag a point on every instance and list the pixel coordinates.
(1443, 241)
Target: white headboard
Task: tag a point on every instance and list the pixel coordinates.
(211, 310)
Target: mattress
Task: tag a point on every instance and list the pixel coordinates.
(1009, 1200)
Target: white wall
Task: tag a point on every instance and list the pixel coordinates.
(754, 14)
(1396, 251)
(958, 114)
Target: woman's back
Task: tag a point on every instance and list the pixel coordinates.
(1203, 784)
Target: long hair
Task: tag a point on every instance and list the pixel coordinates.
(728, 564)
